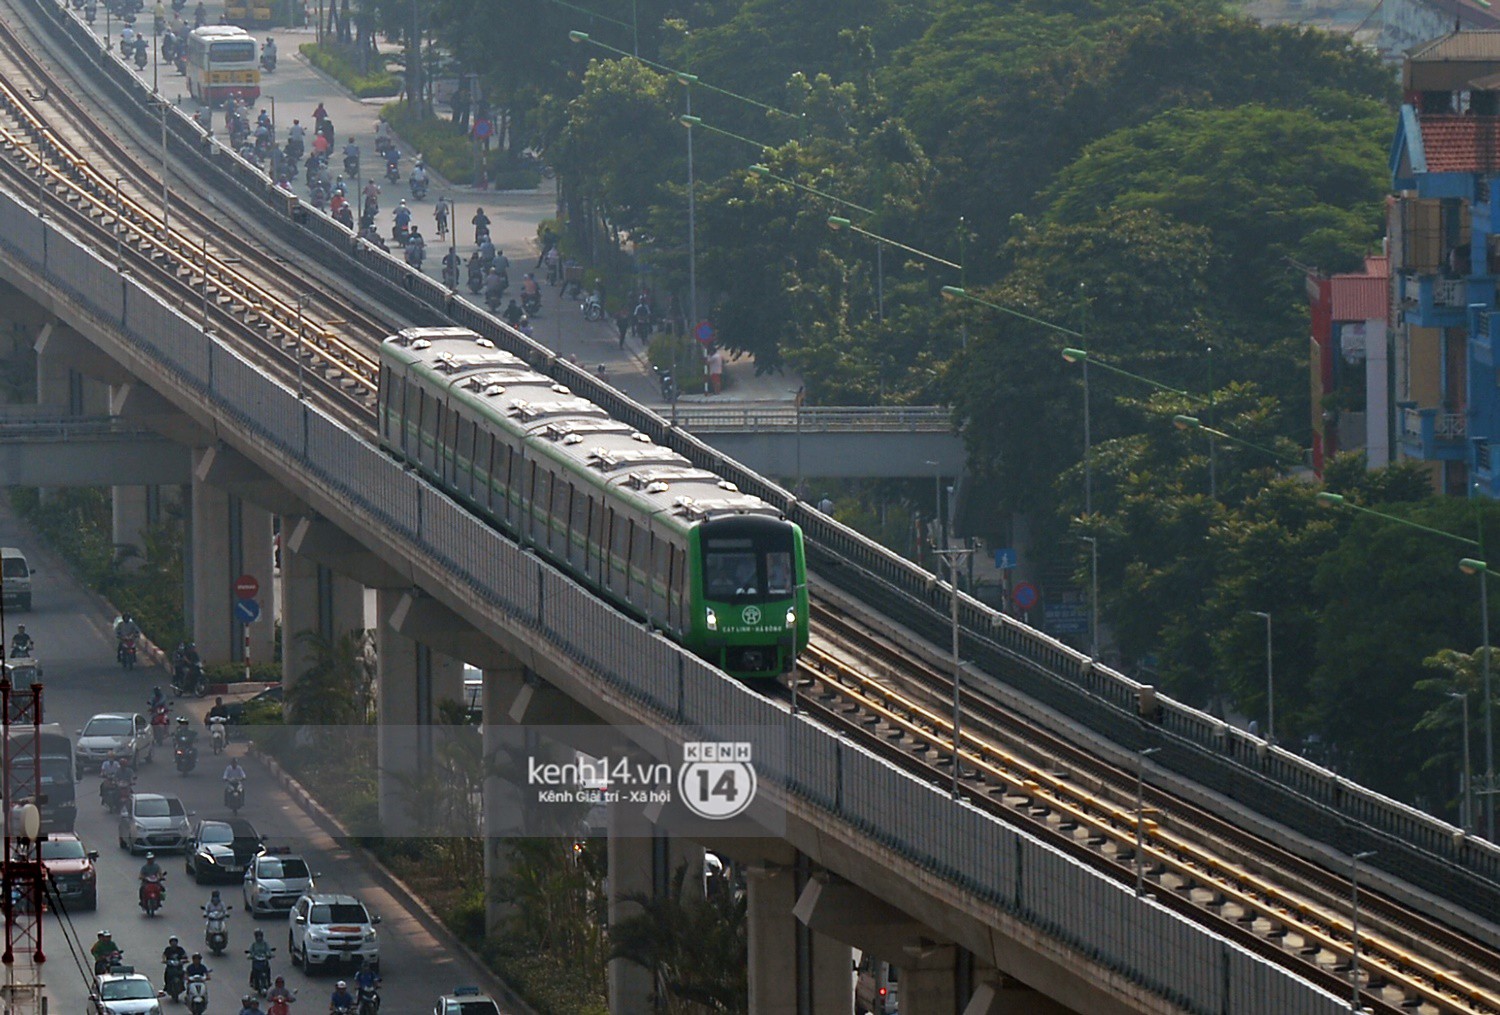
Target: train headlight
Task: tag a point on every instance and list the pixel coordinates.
(711, 618)
(791, 616)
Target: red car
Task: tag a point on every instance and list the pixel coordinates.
(70, 868)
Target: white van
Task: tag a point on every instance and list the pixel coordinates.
(875, 987)
(17, 578)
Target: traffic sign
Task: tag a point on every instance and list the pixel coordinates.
(481, 129)
(246, 586)
(704, 333)
(1005, 559)
(247, 611)
(1026, 596)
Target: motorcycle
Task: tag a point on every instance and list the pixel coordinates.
(197, 994)
(493, 298)
(187, 678)
(172, 980)
(400, 233)
(592, 307)
(267, 60)
(160, 721)
(125, 652)
(531, 303)
(141, 59)
(186, 757)
(393, 166)
(368, 1001)
(218, 733)
(450, 276)
(476, 277)
(153, 890)
(668, 385)
(234, 795)
(416, 253)
(418, 187)
(108, 963)
(260, 974)
(216, 929)
(281, 1005)
(90, 12)
(351, 166)
(111, 793)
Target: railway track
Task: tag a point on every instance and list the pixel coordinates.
(57, 147)
(1250, 889)
(855, 679)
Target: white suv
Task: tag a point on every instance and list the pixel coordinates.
(332, 928)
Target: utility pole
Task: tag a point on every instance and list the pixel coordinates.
(22, 882)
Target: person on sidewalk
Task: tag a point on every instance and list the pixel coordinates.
(715, 370)
(622, 321)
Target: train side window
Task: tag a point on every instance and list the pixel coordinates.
(385, 404)
(659, 577)
(541, 504)
(599, 539)
(578, 528)
(610, 547)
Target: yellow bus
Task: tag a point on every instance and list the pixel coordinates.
(222, 61)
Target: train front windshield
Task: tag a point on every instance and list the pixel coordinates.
(748, 566)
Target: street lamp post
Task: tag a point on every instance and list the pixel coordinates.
(955, 556)
(1140, 818)
(1270, 681)
(1354, 862)
(1466, 801)
(688, 121)
(1093, 595)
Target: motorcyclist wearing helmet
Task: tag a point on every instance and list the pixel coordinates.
(268, 51)
(366, 979)
(151, 871)
(127, 628)
(259, 952)
(342, 1000)
(196, 967)
(173, 950)
(22, 644)
(215, 910)
(105, 947)
(250, 1005)
(185, 735)
(280, 992)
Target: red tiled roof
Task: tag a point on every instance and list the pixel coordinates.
(1461, 144)
(1365, 296)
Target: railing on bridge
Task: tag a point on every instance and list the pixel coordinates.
(819, 418)
(41, 424)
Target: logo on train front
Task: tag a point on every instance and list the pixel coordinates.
(751, 615)
(717, 780)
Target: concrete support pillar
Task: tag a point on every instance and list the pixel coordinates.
(130, 508)
(771, 930)
(300, 609)
(209, 562)
(631, 870)
(929, 981)
(447, 682)
(257, 560)
(1000, 995)
(503, 811)
(397, 697)
(58, 385)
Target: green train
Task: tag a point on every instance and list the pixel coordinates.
(720, 571)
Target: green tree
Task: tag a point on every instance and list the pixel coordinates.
(336, 690)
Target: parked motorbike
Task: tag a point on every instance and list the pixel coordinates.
(592, 307)
(234, 795)
(668, 385)
(216, 929)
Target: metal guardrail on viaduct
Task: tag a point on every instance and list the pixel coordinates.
(917, 824)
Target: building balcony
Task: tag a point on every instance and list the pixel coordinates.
(1436, 301)
(1434, 435)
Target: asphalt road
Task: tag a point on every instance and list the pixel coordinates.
(80, 677)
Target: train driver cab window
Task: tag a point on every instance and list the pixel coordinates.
(779, 573)
(729, 570)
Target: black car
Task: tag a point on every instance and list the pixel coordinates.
(222, 849)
